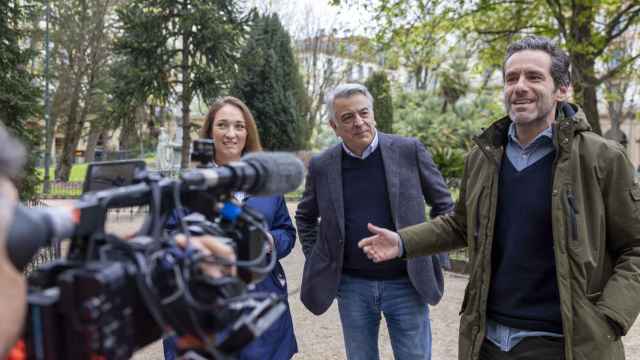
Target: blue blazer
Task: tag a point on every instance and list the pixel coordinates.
(278, 342)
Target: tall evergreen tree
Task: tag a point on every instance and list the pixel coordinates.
(380, 88)
(270, 83)
(179, 49)
(19, 98)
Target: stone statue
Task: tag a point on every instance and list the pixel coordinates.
(164, 151)
(176, 145)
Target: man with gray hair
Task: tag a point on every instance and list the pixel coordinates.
(378, 178)
(550, 214)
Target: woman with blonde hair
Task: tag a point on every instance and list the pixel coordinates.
(233, 130)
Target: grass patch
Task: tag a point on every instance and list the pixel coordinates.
(295, 195)
(78, 172)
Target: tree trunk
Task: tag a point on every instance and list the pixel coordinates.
(583, 63)
(67, 157)
(58, 106)
(92, 141)
(75, 124)
(186, 100)
(419, 73)
(72, 139)
(129, 133)
(71, 135)
(616, 112)
(587, 97)
(151, 122)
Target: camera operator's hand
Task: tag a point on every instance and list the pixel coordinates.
(12, 282)
(209, 245)
(270, 243)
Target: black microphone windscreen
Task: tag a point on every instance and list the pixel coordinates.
(280, 172)
(34, 228)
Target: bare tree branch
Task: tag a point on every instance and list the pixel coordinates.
(618, 26)
(613, 72)
(556, 9)
(514, 30)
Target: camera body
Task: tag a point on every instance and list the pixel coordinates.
(111, 296)
(102, 309)
(87, 311)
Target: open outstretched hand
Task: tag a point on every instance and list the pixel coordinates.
(382, 246)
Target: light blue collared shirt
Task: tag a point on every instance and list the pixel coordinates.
(523, 156)
(367, 151)
(505, 337)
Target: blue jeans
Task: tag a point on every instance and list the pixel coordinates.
(360, 302)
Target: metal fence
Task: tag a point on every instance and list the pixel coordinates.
(102, 155)
(46, 254)
(127, 213)
(61, 189)
(55, 251)
(73, 189)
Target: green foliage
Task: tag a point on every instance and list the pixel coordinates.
(19, 98)
(151, 49)
(448, 136)
(587, 29)
(380, 88)
(270, 83)
(175, 50)
(413, 34)
(453, 84)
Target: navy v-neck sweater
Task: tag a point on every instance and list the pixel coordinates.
(524, 289)
(366, 200)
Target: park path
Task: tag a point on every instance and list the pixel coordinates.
(320, 337)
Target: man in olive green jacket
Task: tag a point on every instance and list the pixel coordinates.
(579, 271)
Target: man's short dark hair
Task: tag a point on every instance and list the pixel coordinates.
(12, 154)
(560, 64)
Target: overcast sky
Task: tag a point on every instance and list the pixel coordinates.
(300, 15)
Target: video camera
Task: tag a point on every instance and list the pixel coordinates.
(112, 296)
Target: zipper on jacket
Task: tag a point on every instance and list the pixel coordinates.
(476, 234)
(573, 212)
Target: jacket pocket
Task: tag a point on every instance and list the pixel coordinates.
(572, 210)
(591, 325)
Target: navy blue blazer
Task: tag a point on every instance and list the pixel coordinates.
(278, 342)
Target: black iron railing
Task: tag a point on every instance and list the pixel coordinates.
(45, 254)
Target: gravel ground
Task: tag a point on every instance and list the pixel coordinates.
(320, 337)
